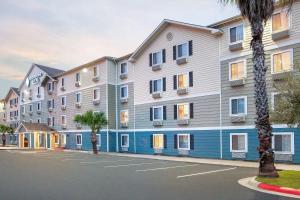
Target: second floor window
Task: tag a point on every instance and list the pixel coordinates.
(39, 106)
(236, 34)
(97, 94)
(96, 71)
(62, 82)
(50, 86)
(77, 77)
(282, 61)
(78, 97)
(124, 116)
(157, 58)
(238, 106)
(63, 101)
(30, 108)
(182, 50)
(280, 21)
(63, 120)
(237, 70)
(124, 92)
(124, 68)
(183, 111)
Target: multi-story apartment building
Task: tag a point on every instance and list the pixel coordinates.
(2, 113)
(11, 108)
(186, 90)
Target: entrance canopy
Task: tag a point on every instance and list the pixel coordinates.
(33, 127)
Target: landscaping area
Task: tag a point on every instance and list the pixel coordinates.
(287, 178)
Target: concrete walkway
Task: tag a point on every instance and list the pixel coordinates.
(206, 161)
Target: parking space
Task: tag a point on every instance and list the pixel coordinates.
(75, 175)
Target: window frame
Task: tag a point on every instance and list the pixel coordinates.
(245, 69)
(61, 121)
(189, 117)
(57, 139)
(124, 86)
(125, 135)
(78, 93)
(98, 135)
(246, 142)
(62, 82)
(161, 56)
(39, 108)
(30, 107)
(65, 101)
(289, 20)
(79, 75)
(188, 51)
(126, 71)
(245, 106)
(39, 120)
(189, 142)
(51, 87)
(158, 135)
(97, 71)
(188, 80)
(96, 89)
(239, 41)
(78, 134)
(125, 110)
(273, 94)
(161, 85)
(49, 124)
(292, 152)
(280, 52)
(162, 113)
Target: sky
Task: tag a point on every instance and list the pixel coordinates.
(67, 33)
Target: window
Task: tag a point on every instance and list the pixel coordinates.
(98, 140)
(49, 121)
(183, 141)
(62, 82)
(124, 116)
(30, 108)
(237, 70)
(49, 86)
(157, 85)
(124, 68)
(157, 58)
(56, 138)
(38, 90)
(276, 97)
(50, 104)
(63, 120)
(125, 140)
(97, 94)
(158, 141)
(77, 77)
(280, 21)
(23, 109)
(239, 142)
(183, 111)
(39, 106)
(63, 101)
(158, 113)
(39, 120)
(182, 81)
(236, 34)
(96, 71)
(53, 121)
(282, 61)
(78, 139)
(238, 105)
(182, 50)
(283, 143)
(124, 92)
(78, 97)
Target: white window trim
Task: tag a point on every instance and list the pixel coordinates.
(188, 105)
(62, 120)
(162, 113)
(127, 115)
(99, 139)
(236, 42)
(160, 52)
(80, 139)
(24, 109)
(30, 106)
(279, 52)
(79, 96)
(161, 85)
(292, 143)
(126, 72)
(125, 135)
(188, 80)
(189, 143)
(273, 99)
(50, 83)
(39, 103)
(245, 69)
(123, 86)
(289, 20)
(96, 89)
(97, 70)
(159, 135)
(50, 121)
(245, 106)
(77, 81)
(246, 143)
(188, 50)
(63, 82)
(65, 97)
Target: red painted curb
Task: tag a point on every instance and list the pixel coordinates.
(275, 188)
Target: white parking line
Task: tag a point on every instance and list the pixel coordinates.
(105, 161)
(164, 168)
(208, 172)
(70, 159)
(137, 164)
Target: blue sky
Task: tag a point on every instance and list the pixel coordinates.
(68, 33)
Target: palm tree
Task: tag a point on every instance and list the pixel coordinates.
(258, 12)
(95, 120)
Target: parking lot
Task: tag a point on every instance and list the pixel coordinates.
(73, 175)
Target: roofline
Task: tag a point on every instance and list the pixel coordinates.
(164, 23)
(86, 65)
(225, 21)
(9, 91)
(124, 57)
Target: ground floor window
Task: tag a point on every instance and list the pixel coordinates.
(183, 141)
(283, 143)
(158, 141)
(124, 140)
(56, 139)
(79, 139)
(98, 140)
(63, 139)
(238, 142)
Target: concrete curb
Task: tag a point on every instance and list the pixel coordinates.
(275, 188)
(251, 183)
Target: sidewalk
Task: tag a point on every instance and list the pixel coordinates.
(8, 147)
(205, 161)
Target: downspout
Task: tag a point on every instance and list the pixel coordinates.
(107, 135)
(116, 107)
(220, 78)
(134, 136)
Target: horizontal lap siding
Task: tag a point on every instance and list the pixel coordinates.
(206, 112)
(111, 103)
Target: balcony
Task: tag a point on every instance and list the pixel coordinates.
(63, 107)
(236, 46)
(96, 78)
(238, 118)
(123, 76)
(280, 35)
(182, 91)
(124, 100)
(96, 102)
(156, 68)
(78, 105)
(124, 124)
(158, 123)
(77, 84)
(156, 95)
(181, 61)
(236, 83)
(182, 122)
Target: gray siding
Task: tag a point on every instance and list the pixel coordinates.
(206, 113)
(111, 101)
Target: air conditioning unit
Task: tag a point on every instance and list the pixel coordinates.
(50, 92)
(50, 109)
(124, 100)
(62, 88)
(96, 102)
(38, 111)
(124, 124)
(77, 84)
(63, 107)
(96, 78)
(182, 122)
(78, 105)
(158, 123)
(182, 91)
(38, 96)
(64, 126)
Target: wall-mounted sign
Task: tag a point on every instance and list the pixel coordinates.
(34, 80)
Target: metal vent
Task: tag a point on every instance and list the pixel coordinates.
(169, 36)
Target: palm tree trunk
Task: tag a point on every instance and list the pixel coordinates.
(263, 125)
(94, 142)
